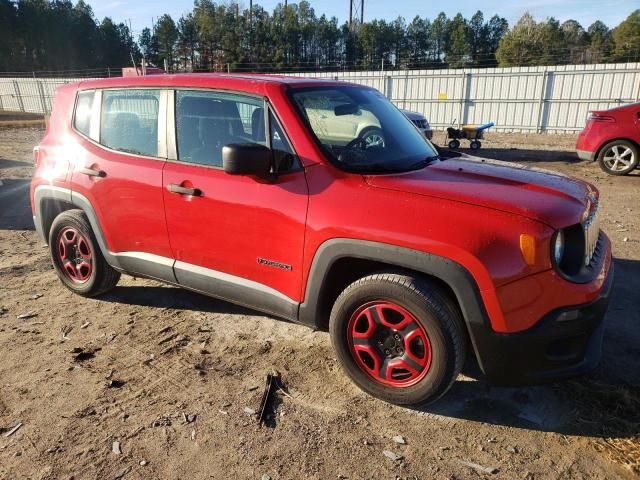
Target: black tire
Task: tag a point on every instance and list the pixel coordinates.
(475, 145)
(102, 277)
(434, 311)
(628, 157)
(454, 144)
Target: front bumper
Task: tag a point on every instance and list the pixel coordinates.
(586, 155)
(565, 343)
(428, 134)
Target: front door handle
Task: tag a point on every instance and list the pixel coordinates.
(93, 172)
(174, 188)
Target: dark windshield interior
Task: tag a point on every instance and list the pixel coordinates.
(360, 130)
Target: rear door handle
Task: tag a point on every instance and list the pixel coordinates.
(174, 188)
(92, 172)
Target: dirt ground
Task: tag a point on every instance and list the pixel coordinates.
(168, 375)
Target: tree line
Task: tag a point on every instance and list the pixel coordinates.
(60, 35)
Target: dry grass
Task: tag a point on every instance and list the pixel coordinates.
(611, 414)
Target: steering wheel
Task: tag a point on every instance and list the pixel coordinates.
(371, 137)
(354, 142)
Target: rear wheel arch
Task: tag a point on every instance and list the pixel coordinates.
(50, 208)
(608, 141)
(51, 201)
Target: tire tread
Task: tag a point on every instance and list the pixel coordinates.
(107, 276)
(442, 307)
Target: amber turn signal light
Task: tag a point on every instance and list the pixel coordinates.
(528, 248)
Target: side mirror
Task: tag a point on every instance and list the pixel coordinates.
(346, 109)
(247, 159)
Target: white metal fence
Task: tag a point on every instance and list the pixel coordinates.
(523, 99)
(34, 95)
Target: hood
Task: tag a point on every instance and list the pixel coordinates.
(548, 197)
(412, 115)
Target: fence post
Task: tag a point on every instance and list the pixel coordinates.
(42, 100)
(466, 101)
(463, 99)
(539, 126)
(16, 89)
(406, 87)
(388, 87)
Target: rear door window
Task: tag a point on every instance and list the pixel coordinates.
(207, 121)
(84, 109)
(129, 121)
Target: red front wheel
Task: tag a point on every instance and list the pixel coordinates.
(398, 338)
(389, 344)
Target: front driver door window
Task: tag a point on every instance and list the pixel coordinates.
(206, 121)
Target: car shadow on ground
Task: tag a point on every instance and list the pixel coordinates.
(602, 404)
(605, 403)
(175, 298)
(15, 207)
(7, 163)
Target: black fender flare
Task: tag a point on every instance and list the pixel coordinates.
(456, 276)
(44, 193)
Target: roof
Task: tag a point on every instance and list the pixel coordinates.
(257, 83)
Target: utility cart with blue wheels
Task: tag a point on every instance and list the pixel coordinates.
(473, 133)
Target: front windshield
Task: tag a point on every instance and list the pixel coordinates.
(361, 130)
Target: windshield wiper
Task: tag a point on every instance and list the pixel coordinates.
(370, 168)
(423, 163)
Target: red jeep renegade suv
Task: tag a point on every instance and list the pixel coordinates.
(321, 203)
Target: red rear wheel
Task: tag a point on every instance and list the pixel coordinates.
(74, 254)
(77, 257)
(389, 344)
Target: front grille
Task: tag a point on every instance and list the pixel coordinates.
(422, 124)
(591, 228)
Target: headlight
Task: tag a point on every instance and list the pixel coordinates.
(558, 247)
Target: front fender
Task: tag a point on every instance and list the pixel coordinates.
(456, 276)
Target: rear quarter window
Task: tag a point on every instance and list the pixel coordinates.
(129, 121)
(83, 113)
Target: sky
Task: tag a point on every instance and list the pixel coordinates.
(611, 12)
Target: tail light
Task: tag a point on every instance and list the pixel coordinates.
(599, 117)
